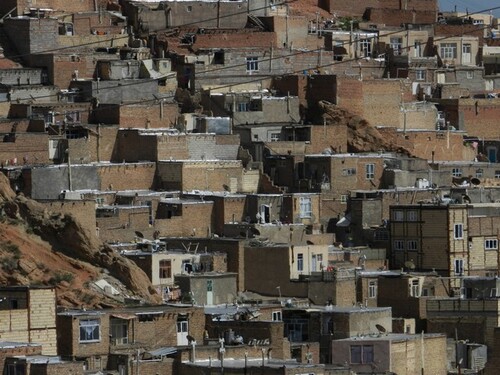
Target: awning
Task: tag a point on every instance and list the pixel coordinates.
(123, 316)
(161, 352)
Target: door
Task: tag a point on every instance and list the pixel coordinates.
(210, 292)
(492, 154)
(466, 54)
(265, 213)
(182, 331)
(313, 263)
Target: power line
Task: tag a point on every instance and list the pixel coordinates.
(194, 23)
(261, 77)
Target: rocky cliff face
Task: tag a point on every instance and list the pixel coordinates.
(362, 137)
(38, 247)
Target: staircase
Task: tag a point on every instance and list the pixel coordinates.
(256, 21)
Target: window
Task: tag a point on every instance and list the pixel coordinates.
(343, 198)
(300, 262)
(420, 75)
(479, 173)
(411, 245)
(243, 107)
(399, 245)
(397, 215)
(458, 231)
(210, 285)
(277, 317)
(415, 288)
(361, 354)
(470, 74)
(397, 45)
(381, 235)
(448, 50)
(497, 174)
(348, 171)
(370, 171)
(412, 215)
(491, 244)
(458, 266)
(365, 46)
(275, 137)
(372, 289)
(119, 331)
(305, 207)
(89, 330)
(456, 172)
(494, 293)
(252, 64)
(418, 48)
(165, 269)
(189, 8)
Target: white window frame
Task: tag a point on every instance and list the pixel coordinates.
(344, 198)
(87, 330)
(412, 215)
(398, 215)
(252, 64)
(365, 46)
(491, 244)
(458, 266)
(305, 207)
(458, 231)
(275, 136)
(396, 44)
(412, 245)
(277, 316)
(300, 262)
(370, 171)
(415, 288)
(372, 289)
(420, 75)
(448, 51)
(399, 245)
(456, 172)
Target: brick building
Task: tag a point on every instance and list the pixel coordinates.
(465, 234)
(109, 339)
(200, 175)
(391, 353)
(151, 115)
(29, 315)
(325, 324)
(168, 144)
(357, 9)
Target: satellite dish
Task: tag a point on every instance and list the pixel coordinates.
(475, 181)
(139, 234)
(410, 265)
(309, 242)
(380, 328)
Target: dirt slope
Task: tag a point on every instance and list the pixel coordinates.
(362, 137)
(38, 247)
